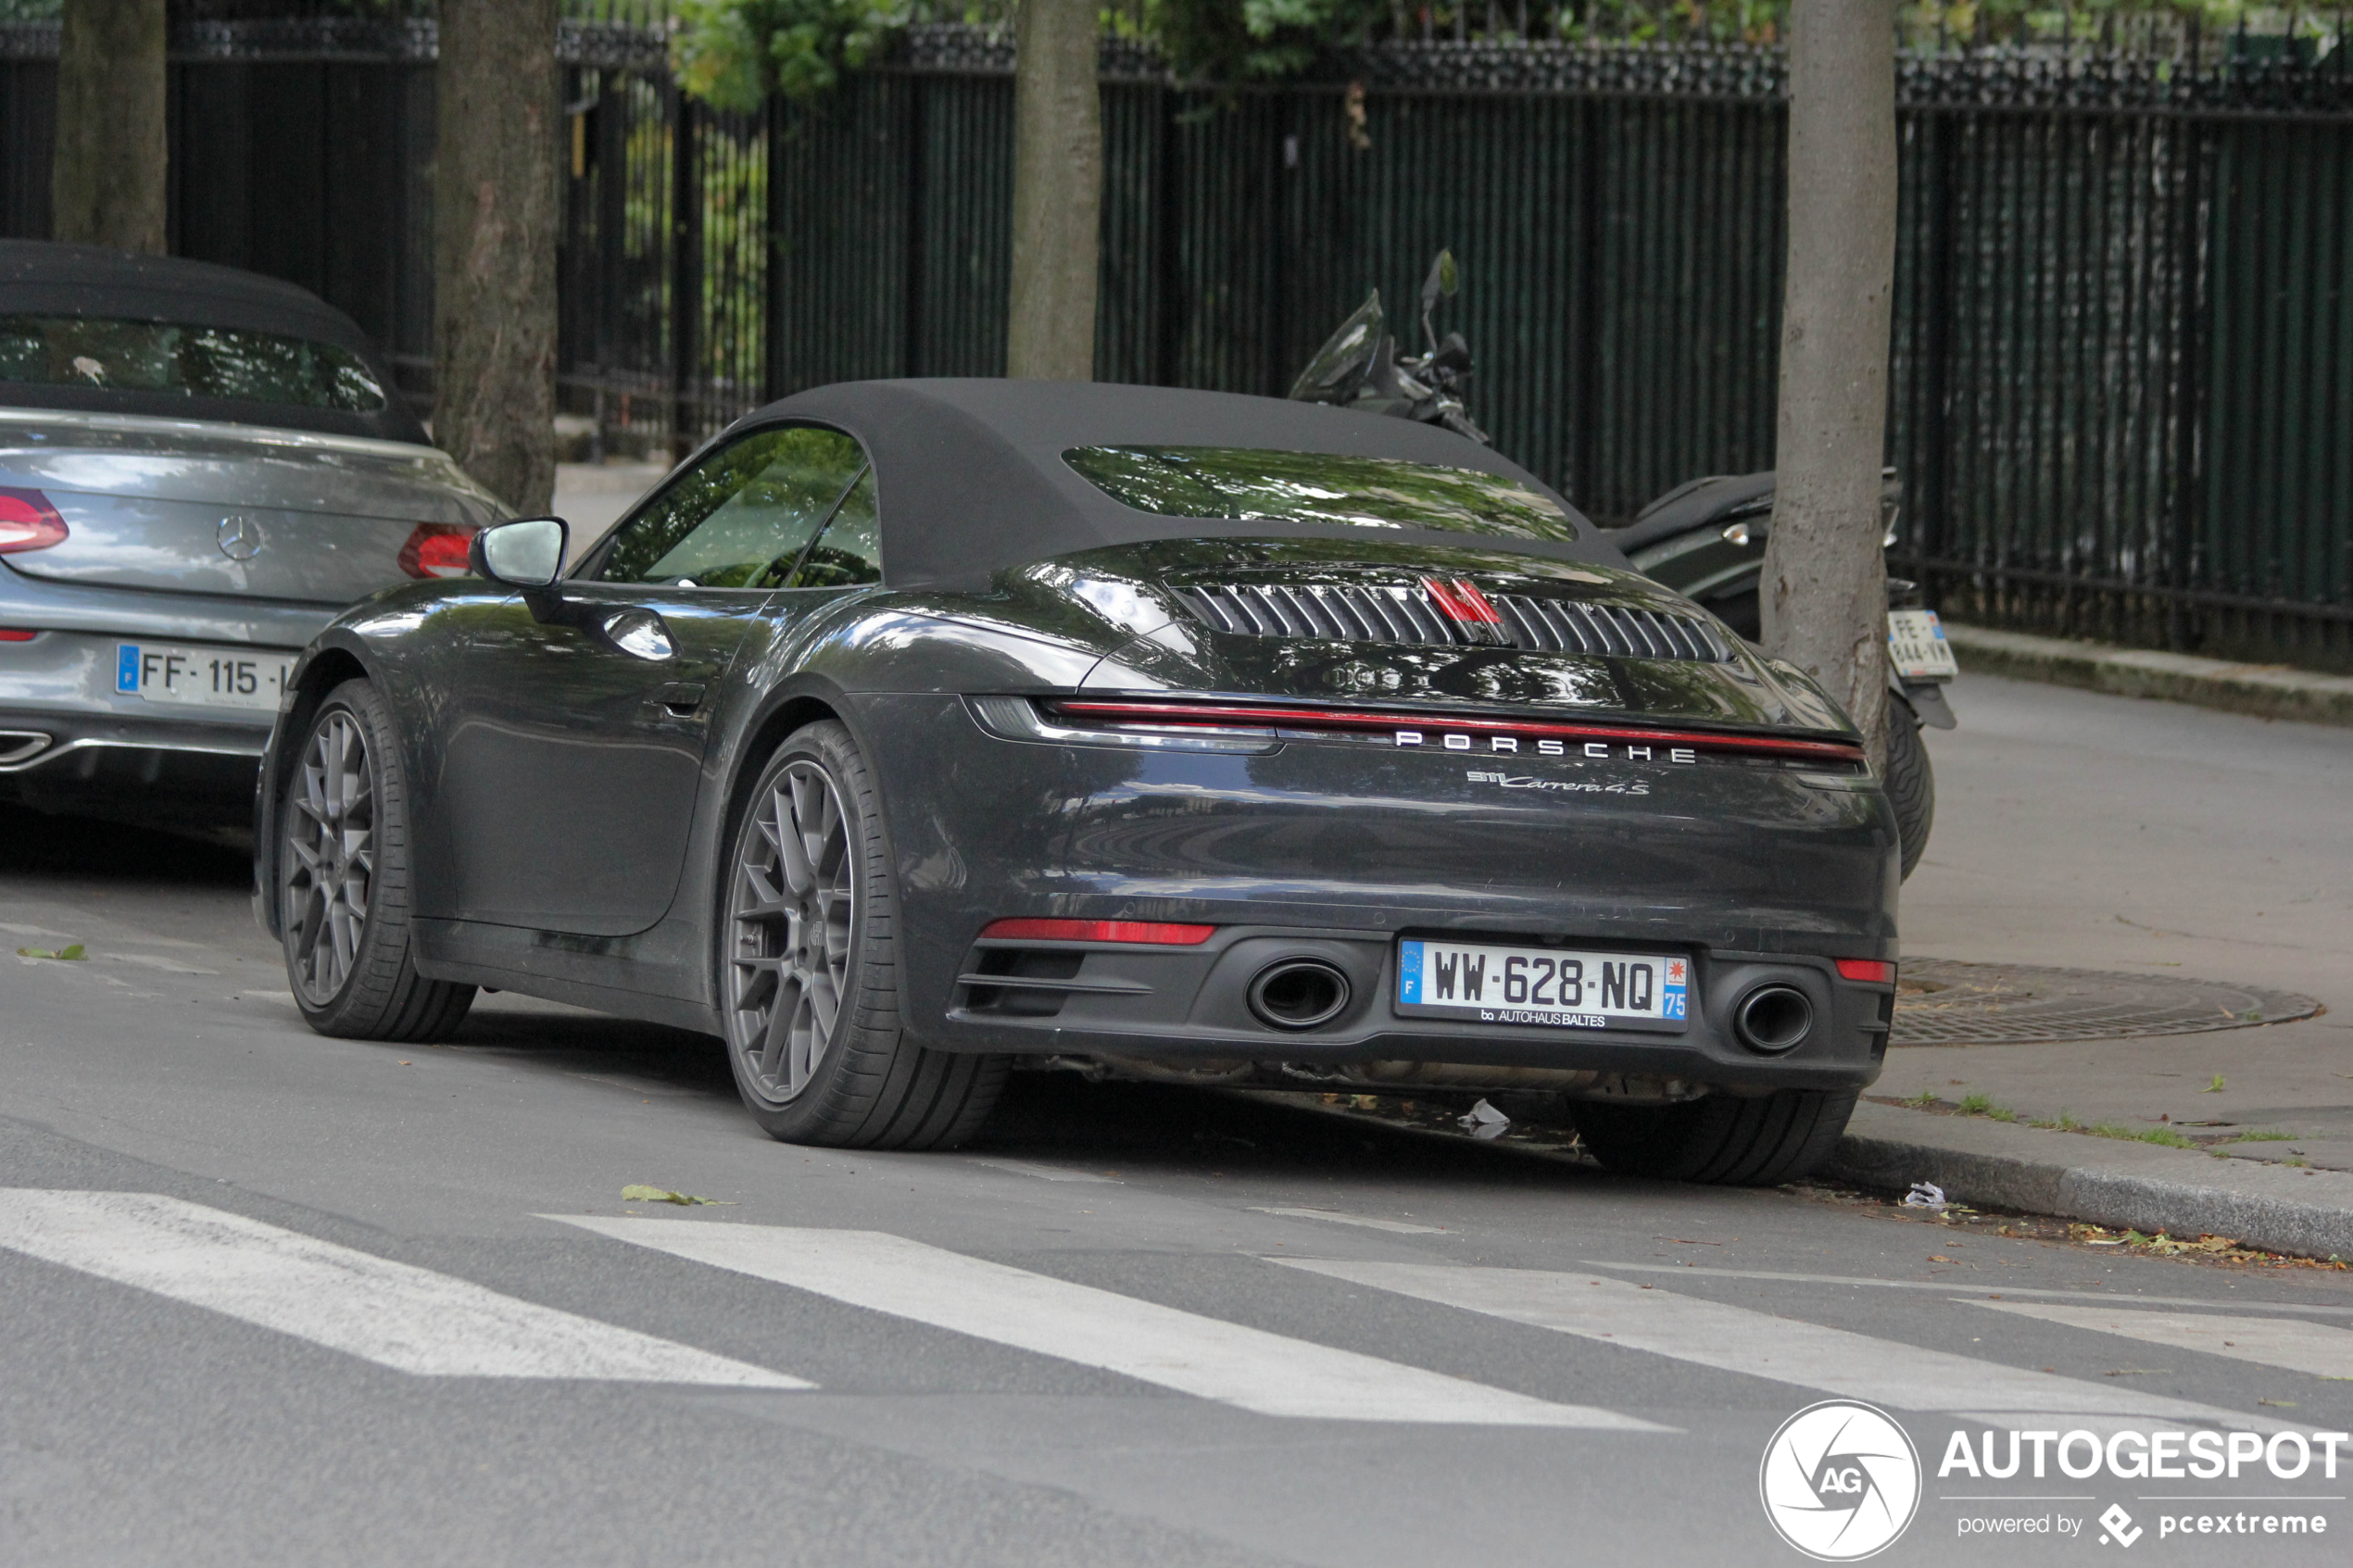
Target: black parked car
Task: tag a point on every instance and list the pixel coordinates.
(914, 728)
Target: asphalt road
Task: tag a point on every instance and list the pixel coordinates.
(273, 1299)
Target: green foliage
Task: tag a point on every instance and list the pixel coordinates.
(1235, 40)
(732, 54)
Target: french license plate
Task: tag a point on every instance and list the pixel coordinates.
(1545, 986)
(201, 677)
(1915, 641)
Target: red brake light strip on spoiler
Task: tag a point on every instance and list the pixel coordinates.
(1353, 720)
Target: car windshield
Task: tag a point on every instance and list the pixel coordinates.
(1247, 484)
(185, 359)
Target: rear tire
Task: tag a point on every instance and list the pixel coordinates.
(343, 882)
(1911, 785)
(808, 967)
(1780, 1137)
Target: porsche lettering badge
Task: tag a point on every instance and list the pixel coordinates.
(1598, 750)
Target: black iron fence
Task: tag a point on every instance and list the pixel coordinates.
(2123, 400)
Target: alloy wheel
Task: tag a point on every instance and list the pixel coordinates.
(791, 912)
(330, 856)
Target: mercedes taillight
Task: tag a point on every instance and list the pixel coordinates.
(27, 521)
(436, 550)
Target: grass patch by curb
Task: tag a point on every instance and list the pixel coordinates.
(1985, 1106)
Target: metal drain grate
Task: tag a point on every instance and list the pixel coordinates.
(1942, 1003)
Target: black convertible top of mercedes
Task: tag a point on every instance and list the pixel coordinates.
(87, 329)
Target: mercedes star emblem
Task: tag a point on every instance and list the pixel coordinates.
(240, 537)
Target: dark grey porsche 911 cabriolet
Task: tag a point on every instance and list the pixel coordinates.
(912, 729)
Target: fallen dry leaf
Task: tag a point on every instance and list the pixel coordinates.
(635, 1193)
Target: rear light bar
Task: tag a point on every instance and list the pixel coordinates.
(1354, 720)
(16, 635)
(1148, 933)
(437, 549)
(1872, 972)
(28, 522)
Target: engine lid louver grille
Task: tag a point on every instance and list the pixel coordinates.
(1410, 615)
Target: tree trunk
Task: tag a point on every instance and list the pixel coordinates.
(496, 221)
(107, 182)
(1058, 191)
(1825, 595)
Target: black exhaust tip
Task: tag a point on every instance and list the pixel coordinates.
(1298, 993)
(1773, 1019)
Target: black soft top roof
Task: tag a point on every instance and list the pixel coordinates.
(970, 478)
(40, 278)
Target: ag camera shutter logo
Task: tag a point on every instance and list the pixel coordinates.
(1840, 1481)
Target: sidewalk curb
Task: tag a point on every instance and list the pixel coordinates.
(2106, 1181)
(2264, 691)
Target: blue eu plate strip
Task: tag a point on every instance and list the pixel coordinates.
(1409, 972)
(126, 669)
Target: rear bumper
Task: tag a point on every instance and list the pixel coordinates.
(70, 742)
(1186, 1008)
(1334, 852)
(160, 775)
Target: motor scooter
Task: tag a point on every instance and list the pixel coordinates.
(1704, 538)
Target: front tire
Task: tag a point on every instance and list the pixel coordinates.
(809, 967)
(1911, 786)
(1764, 1142)
(343, 882)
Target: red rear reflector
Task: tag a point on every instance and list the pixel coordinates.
(11, 635)
(1873, 972)
(436, 550)
(1152, 932)
(27, 521)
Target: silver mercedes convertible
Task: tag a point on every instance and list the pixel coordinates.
(199, 468)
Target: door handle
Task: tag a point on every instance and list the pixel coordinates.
(681, 697)
(638, 633)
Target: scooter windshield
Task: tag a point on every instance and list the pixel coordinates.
(1340, 366)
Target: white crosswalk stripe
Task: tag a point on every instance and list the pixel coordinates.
(2280, 1342)
(1761, 1345)
(395, 1314)
(1255, 1370)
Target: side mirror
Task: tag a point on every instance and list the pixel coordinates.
(1444, 279)
(527, 553)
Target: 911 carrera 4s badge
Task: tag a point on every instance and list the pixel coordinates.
(1551, 986)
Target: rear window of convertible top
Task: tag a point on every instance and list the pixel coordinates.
(1245, 484)
(185, 360)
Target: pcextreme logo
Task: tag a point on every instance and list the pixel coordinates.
(1840, 1481)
